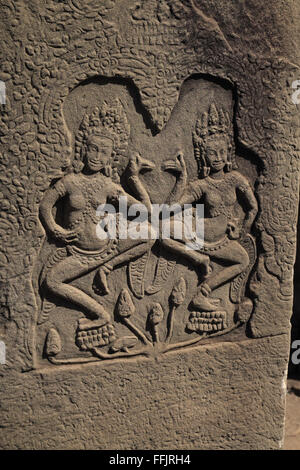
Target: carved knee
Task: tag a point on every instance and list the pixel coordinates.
(51, 282)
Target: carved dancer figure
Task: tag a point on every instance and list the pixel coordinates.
(220, 189)
(102, 135)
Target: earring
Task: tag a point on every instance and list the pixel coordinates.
(78, 165)
(228, 166)
(205, 171)
(108, 171)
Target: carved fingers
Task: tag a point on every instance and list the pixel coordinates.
(138, 164)
(177, 165)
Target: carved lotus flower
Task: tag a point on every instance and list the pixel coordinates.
(179, 292)
(125, 306)
(53, 343)
(156, 314)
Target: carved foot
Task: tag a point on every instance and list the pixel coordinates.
(86, 324)
(100, 284)
(202, 303)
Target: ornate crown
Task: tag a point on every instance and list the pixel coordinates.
(212, 123)
(108, 120)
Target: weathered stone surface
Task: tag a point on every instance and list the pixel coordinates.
(225, 396)
(143, 343)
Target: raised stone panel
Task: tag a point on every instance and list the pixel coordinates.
(161, 102)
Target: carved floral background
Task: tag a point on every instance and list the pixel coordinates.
(157, 45)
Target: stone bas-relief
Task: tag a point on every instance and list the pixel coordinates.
(219, 192)
(101, 133)
(162, 102)
(212, 307)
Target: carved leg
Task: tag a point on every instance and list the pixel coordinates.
(196, 258)
(180, 247)
(128, 250)
(233, 253)
(66, 271)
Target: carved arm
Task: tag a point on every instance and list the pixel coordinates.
(251, 206)
(136, 165)
(50, 198)
(179, 167)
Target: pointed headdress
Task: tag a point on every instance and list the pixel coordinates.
(214, 123)
(108, 120)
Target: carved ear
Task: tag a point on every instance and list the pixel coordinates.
(228, 166)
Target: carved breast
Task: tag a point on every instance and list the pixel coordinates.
(219, 197)
(77, 200)
(213, 199)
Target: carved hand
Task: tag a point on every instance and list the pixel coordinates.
(178, 165)
(137, 164)
(234, 232)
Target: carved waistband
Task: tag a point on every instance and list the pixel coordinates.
(88, 257)
(214, 246)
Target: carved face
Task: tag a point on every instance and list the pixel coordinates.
(216, 154)
(98, 153)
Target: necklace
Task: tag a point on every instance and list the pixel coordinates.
(221, 186)
(216, 183)
(97, 185)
